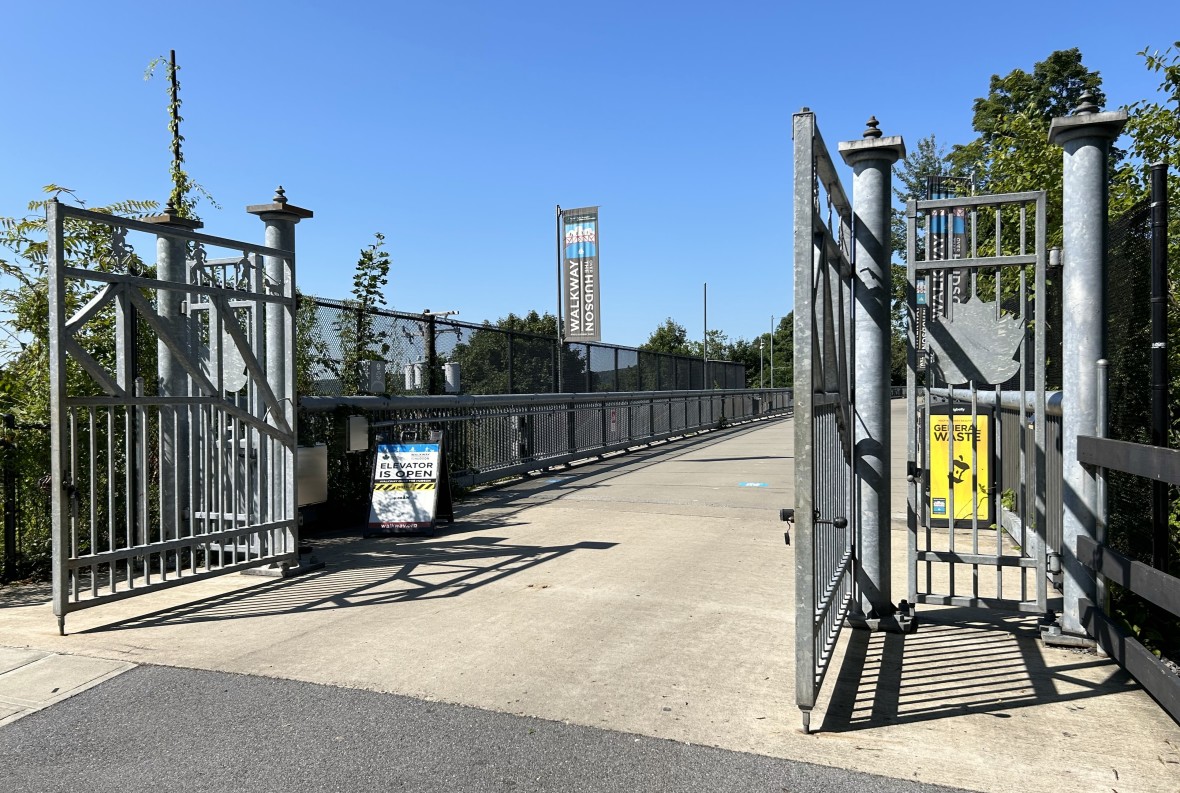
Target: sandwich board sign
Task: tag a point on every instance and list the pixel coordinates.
(411, 490)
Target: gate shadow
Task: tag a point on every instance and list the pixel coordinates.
(960, 662)
(369, 572)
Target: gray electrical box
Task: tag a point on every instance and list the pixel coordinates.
(373, 373)
(358, 433)
(451, 377)
(311, 474)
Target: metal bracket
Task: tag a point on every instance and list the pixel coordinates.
(787, 515)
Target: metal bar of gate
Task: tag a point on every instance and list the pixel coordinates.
(824, 559)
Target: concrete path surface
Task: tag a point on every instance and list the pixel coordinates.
(647, 594)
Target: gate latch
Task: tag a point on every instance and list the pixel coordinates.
(787, 515)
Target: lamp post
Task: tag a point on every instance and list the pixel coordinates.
(772, 350)
(761, 366)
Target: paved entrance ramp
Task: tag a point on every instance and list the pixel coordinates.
(650, 593)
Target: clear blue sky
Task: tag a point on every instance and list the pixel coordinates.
(454, 128)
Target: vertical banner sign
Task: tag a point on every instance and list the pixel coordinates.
(961, 460)
(406, 482)
(579, 244)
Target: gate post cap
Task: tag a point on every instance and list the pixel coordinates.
(872, 146)
(279, 209)
(1087, 121)
(170, 217)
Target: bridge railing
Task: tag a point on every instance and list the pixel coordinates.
(493, 437)
(1153, 585)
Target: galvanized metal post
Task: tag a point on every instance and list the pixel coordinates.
(9, 498)
(57, 397)
(172, 267)
(280, 218)
(1085, 136)
(871, 159)
(560, 291)
(772, 350)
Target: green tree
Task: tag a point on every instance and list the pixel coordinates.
(360, 329)
(784, 352)
(671, 338)
(1153, 132)
(483, 358)
(1012, 152)
(927, 160)
(24, 352)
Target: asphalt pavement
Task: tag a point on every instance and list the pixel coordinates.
(157, 728)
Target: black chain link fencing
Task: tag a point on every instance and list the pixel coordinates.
(345, 350)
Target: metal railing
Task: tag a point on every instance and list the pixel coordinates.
(1155, 586)
(493, 437)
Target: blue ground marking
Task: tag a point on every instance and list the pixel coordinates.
(752, 484)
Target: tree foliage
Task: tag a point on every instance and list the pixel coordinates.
(361, 337)
(670, 337)
(483, 358)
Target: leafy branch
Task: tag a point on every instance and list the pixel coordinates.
(182, 196)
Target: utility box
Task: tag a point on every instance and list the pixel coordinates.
(311, 474)
(373, 376)
(413, 374)
(451, 374)
(358, 434)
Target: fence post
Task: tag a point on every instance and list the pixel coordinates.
(1085, 136)
(8, 446)
(171, 266)
(589, 372)
(556, 368)
(871, 159)
(511, 337)
(1160, 501)
(431, 355)
(279, 218)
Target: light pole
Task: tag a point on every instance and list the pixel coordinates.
(761, 366)
(772, 350)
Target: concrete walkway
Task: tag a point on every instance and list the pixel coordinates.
(650, 594)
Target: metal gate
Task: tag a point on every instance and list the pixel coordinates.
(977, 342)
(173, 430)
(825, 531)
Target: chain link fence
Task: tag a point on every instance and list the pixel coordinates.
(345, 350)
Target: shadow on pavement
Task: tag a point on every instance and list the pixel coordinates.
(959, 662)
(370, 572)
